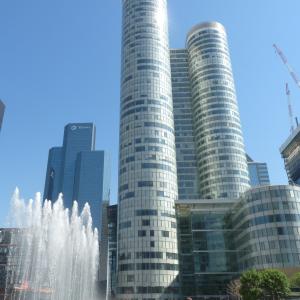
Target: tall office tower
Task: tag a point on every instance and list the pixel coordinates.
(258, 173)
(147, 245)
(77, 138)
(211, 160)
(187, 173)
(2, 109)
(78, 171)
(221, 159)
(290, 152)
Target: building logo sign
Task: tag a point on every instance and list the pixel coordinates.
(75, 127)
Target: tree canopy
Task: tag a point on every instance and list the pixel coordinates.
(251, 285)
(275, 284)
(266, 284)
(295, 280)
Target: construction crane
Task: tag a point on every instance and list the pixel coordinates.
(288, 95)
(285, 61)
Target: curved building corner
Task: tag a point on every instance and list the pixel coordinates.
(267, 222)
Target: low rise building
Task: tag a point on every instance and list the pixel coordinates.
(219, 239)
(267, 225)
(6, 261)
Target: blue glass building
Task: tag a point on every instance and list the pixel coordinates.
(53, 175)
(2, 108)
(258, 173)
(78, 171)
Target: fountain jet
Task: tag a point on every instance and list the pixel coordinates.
(54, 253)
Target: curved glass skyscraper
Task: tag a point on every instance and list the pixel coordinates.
(147, 244)
(221, 158)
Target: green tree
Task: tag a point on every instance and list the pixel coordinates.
(295, 280)
(251, 285)
(275, 284)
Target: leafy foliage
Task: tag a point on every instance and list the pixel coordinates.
(266, 284)
(295, 280)
(251, 285)
(275, 284)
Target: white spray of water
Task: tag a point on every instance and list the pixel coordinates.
(55, 254)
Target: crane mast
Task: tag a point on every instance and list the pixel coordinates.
(288, 95)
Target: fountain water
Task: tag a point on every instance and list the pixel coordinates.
(54, 254)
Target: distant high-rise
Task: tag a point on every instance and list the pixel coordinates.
(147, 242)
(78, 171)
(77, 138)
(2, 109)
(258, 173)
(290, 152)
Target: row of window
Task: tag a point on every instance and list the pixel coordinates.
(148, 290)
(270, 219)
(127, 224)
(291, 259)
(268, 206)
(148, 266)
(149, 255)
(143, 233)
(147, 193)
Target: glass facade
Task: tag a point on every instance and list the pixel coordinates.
(221, 158)
(103, 260)
(207, 254)
(91, 182)
(8, 252)
(290, 152)
(267, 222)
(5, 237)
(2, 109)
(77, 137)
(258, 173)
(147, 160)
(78, 171)
(187, 175)
(53, 174)
(112, 219)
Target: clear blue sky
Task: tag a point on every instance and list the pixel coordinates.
(60, 63)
